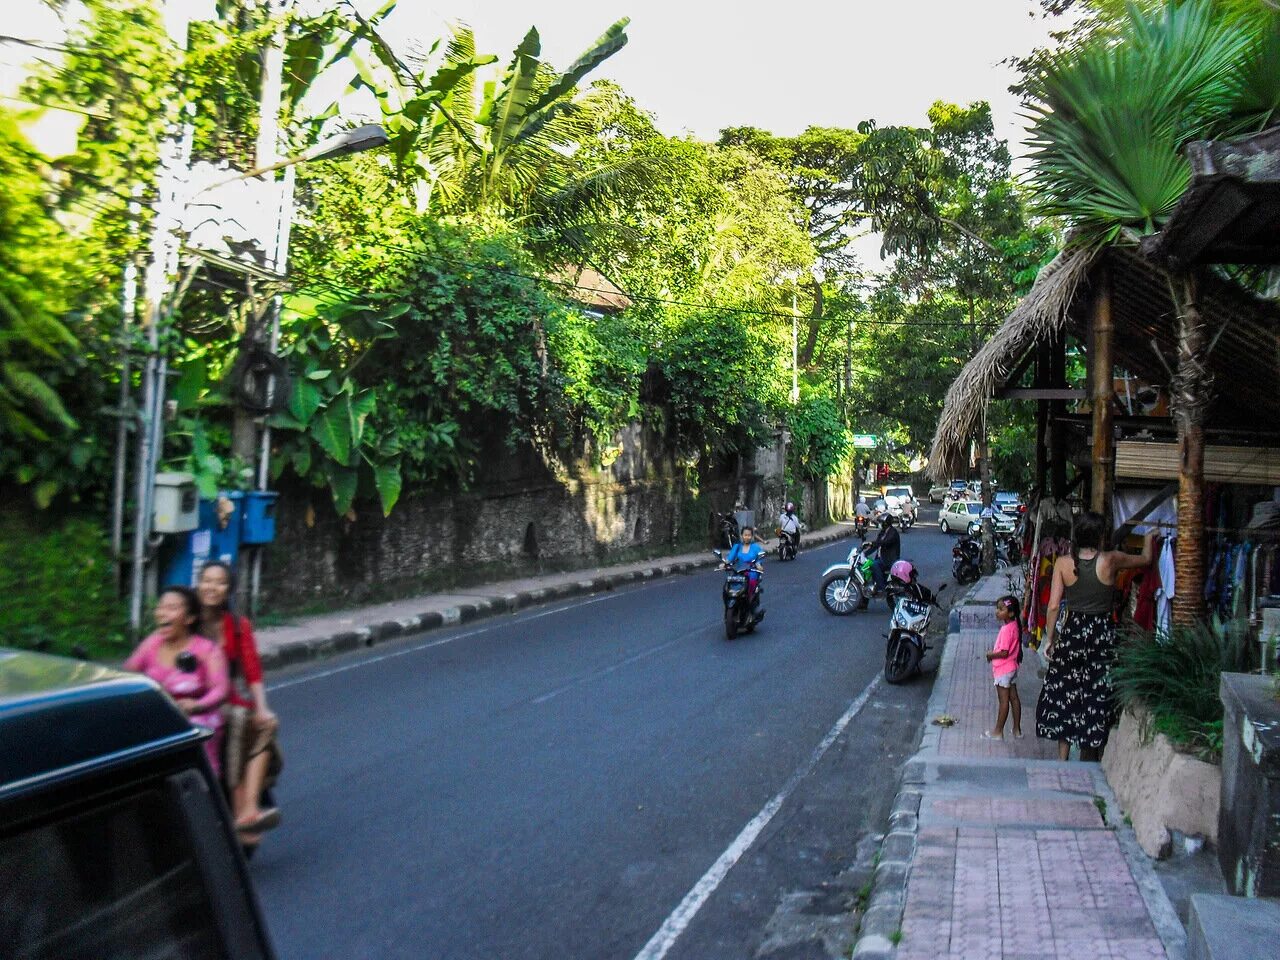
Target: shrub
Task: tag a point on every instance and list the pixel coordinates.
(1176, 678)
(58, 586)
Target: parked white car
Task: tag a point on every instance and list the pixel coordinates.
(956, 516)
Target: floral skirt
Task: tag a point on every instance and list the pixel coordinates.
(1076, 702)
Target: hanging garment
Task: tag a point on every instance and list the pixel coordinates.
(1165, 592)
(1144, 613)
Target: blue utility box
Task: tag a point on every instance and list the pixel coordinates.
(214, 539)
(258, 525)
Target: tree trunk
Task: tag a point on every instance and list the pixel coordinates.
(1101, 382)
(810, 345)
(1192, 388)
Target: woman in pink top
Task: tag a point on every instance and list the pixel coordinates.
(190, 668)
(1004, 661)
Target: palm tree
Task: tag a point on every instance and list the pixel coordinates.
(510, 148)
(1110, 119)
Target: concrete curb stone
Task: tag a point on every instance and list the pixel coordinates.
(293, 652)
(883, 920)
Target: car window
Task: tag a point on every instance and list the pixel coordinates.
(898, 492)
(974, 508)
(117, 882)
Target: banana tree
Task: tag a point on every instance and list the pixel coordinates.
(1110, 120)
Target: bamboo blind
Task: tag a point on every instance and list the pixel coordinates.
(1147, 460)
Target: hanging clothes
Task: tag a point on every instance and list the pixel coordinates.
(1144, 613)
(1165, 592)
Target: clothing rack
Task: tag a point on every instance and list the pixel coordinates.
(1239, 531)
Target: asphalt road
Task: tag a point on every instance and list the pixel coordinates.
(554, 784)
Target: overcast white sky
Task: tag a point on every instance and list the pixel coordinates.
(700, 65)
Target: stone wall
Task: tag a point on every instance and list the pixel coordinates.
(523, 516)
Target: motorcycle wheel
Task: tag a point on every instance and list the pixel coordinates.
(730, 623)
(839, 594)
(901, 660)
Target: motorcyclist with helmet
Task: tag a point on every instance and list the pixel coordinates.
(790, 524)
(887, 549)
(861, 516)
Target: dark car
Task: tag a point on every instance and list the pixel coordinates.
(115, 841)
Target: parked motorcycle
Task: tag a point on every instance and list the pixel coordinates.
(966, 559)
(846, 586)
(786, 545)
(740, 610)
(913, 607)
(729, 533)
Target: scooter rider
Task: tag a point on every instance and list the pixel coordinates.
(888, 550)
(790, 524)
(748, 552)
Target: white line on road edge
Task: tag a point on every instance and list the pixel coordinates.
(683, 915)
(435, 643)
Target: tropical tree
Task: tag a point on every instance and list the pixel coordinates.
(1111, 117)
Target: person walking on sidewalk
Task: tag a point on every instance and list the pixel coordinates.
(1076, 703)
(1004, 660)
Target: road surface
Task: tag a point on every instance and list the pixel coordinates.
(604, 778)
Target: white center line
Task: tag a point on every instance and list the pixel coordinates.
(683, 915)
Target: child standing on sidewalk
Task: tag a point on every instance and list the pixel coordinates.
(1004, 660)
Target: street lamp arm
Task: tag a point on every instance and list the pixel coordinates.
(357, 140)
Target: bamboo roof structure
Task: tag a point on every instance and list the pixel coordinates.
(1244, 356)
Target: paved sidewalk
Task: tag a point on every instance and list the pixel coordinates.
(998, 851)
(329, 634)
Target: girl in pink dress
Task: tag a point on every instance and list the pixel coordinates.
(190, 668)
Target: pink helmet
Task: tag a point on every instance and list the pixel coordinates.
(902, 570)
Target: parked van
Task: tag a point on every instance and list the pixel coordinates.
(115, 840)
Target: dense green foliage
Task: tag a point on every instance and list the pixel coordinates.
(1176, 678)
(59, 588)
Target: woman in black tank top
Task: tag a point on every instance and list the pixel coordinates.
(1076, 703)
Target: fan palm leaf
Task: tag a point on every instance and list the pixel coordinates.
(1110, 119)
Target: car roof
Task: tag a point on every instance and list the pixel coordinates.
(62, 718)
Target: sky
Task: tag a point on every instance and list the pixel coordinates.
(702, 65)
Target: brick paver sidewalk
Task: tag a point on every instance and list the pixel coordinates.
(1015, 854)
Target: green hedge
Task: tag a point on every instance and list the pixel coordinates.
(58, 587)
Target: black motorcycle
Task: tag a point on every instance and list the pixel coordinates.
(729, 532)
(966, 560)
(741, 614)
(860, 527)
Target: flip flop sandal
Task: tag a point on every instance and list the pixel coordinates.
(266, 820)
(986, 735)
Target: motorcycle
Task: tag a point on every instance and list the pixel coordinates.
(786, 545)
(906, 519)
(966, 560)
(845, 587)
(860, 527)
(740, 611)
(913, 606)
(729, 532)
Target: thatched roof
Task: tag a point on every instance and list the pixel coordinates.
(1244, 360)
(1039, 316)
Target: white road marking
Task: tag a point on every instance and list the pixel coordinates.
(437, 643)
(683, 915)
(614, 668)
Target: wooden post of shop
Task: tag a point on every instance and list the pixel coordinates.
(1102, 386)
(1042, 422)
(1057, 429)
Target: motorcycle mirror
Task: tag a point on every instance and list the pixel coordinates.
(717, 554)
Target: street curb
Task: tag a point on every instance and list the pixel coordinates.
(882, 923)
(350, 639)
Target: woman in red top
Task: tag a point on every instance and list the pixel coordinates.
(251, 727)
